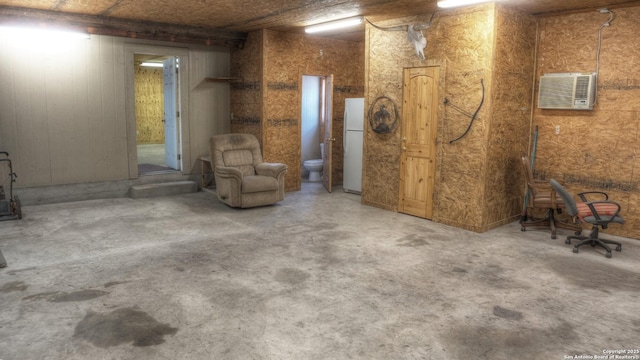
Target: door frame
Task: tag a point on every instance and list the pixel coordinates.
(130, 49)
(327, 110)
(441, 123)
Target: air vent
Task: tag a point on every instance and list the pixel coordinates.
(571, 91)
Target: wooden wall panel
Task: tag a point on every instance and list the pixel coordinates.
(595, 150)
(287, 58)
(478, 185)
(149, 90)
(461, 42)
(508, 136)
(246, 93)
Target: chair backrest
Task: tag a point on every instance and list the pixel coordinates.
(241, 151)
(567, 197)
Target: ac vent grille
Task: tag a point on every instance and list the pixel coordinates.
(574, 91)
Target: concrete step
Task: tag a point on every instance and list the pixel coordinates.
(163, 189)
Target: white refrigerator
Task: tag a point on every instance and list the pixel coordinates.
(352, 141)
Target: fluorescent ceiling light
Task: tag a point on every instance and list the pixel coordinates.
(152, 64)
(41, 34)
(333, 25)
(456, 3)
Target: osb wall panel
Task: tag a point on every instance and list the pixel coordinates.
(287, 58)
(149, 105)
(246, 93)
(594, 150)
(514, 57)
(463, 41)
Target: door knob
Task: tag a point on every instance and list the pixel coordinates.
(404, 138)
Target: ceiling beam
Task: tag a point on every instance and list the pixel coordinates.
(99, 25)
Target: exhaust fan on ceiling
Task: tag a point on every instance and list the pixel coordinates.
(572, 91)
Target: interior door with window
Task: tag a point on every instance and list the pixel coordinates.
(419, 131)
(328, 138)
(171, 113)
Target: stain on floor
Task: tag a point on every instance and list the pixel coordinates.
(291, 276)
(412, 241)
(506, 313)
(13, 286)
(122, 326)
(583, 272)
(62, 296)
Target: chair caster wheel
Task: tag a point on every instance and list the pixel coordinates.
(608, 254)
(578, 232)
(567, 241)
(575, 250)
(522, 229)
(553, 236)
(619, 248)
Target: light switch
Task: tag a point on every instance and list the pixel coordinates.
(557, 129)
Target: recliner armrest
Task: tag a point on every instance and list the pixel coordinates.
(271, 169)
(229, 172)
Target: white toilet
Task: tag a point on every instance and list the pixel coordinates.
(315, 166)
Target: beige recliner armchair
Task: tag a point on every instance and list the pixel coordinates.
(242, 178)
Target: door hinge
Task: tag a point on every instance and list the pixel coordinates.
(179, 157)
(177, 113)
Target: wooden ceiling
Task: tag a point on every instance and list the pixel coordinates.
(226, 22)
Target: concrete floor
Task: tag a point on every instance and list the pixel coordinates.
(151, 154)
(318, 276)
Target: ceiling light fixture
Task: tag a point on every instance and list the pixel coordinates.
(333, 25)
(457, 3)
(152, 64)
(41, 34)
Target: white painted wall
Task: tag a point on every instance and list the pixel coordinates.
(310, 120)
(65, 116)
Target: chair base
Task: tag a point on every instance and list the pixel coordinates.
(549, 221)
(594, 241)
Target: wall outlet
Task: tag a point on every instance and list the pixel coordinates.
(557, 129)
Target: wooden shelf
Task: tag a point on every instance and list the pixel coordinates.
(222, 79)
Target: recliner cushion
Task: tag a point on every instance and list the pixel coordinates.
(258, 183)
(241, 159)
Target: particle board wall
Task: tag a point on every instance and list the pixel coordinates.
(462, 43)
(594, 150)
(288, 57)
(65, 122)
(149, 105)
(508, 135)
(246, 92)
(271, 66)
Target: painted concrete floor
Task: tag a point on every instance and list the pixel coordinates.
(318, 276)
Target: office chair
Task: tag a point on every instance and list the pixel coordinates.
(598, 213)
(543, 197)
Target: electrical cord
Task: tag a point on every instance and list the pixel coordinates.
(612, 16)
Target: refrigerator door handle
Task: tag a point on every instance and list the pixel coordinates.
(344, 135)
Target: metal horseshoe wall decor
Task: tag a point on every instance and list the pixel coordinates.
(383, 115)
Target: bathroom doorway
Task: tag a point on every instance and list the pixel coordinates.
(312, 121)
(157, 108)
(316, 139)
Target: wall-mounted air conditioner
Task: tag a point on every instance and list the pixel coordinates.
(573, 91)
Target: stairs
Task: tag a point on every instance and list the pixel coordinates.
(163, 189)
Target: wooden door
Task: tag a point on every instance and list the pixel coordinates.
(419, 130)
(328, 138)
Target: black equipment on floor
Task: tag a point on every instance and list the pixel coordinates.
(9, 205)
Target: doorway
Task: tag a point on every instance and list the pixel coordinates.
(316, 118)
(419, 131)
(157, 113)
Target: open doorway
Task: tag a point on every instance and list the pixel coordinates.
(157, 113)
(316, 140)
